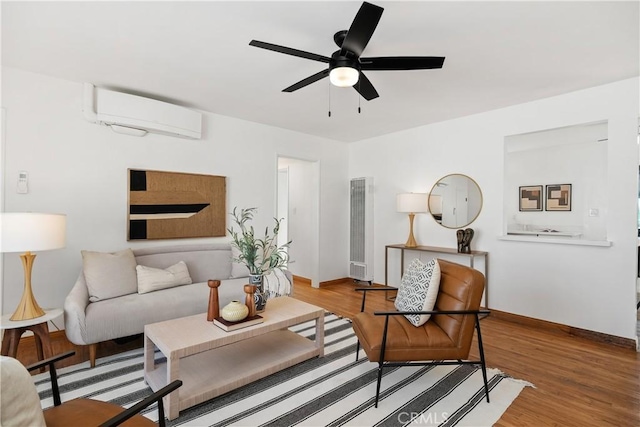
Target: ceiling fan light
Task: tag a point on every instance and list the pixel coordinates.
(344, 76)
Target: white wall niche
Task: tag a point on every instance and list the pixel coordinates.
(576, 155)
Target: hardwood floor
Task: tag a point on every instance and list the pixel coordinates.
(578, 382)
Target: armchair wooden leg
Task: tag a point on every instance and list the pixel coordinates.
(357, 349)
(93, 349)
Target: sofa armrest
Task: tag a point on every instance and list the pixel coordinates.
(75, 307)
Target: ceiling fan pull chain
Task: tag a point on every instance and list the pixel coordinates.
(329, 86)
(359, 97)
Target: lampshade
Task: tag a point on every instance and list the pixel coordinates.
(27, 232)
(31, 232)
(412, 202)
(344, 76)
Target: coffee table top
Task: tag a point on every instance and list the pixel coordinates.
(194, 334)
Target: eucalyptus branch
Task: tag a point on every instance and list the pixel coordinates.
(260, 255)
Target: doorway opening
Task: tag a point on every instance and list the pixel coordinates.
(298, 204)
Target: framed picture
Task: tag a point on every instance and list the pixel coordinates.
(558, 197)
(174, 205)
(531, 198)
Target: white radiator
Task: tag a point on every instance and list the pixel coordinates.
(361, 230)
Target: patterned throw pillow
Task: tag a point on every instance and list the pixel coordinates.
(418, 290)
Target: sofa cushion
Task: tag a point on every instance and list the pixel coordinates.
(205, 261)
(153, 279)
(127, 315)
(418, 290)
(109, 275)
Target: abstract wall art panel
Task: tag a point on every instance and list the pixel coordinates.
(558, 197)
(174, 205)
(531, 198)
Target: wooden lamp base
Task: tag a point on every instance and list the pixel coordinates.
(28, 308)
(411, 241)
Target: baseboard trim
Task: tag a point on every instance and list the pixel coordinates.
(569, 330)
(301, 279)
(334, 282)
(345, 280)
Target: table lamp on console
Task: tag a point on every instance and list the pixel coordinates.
(27, 232)
(412, 203)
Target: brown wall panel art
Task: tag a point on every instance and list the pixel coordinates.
(174, 205)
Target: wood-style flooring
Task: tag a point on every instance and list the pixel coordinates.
(578, 382)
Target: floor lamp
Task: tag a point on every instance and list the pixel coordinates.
(412, 203)
(26, 232)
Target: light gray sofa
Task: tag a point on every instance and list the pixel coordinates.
(89, 323)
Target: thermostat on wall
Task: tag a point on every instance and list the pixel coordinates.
(23, 182)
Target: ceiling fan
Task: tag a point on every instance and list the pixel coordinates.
(346, 66)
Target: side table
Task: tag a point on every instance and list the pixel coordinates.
(13, 330)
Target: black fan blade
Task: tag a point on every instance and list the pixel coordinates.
(305, 82)
(362, 28)
(289, 51)
(401, 63)
(365, 88)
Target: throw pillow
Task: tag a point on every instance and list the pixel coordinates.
(238, 269)
(419, 290)
(109, 275)
(153, 279)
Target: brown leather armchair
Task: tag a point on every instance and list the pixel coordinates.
(445, 339)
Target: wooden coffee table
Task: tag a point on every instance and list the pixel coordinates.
(211, 362)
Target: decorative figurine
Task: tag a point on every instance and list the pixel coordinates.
(464, 240)
(250, 301)
(214, 304)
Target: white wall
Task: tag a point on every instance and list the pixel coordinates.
(78, 168)
(586, 287)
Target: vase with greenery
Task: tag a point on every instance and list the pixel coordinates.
(260, 254)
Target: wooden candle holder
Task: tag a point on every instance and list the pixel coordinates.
(249, 301)
(214, 303)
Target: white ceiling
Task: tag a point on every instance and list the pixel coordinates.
(197, 54)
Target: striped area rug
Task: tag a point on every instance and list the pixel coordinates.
(331, 391)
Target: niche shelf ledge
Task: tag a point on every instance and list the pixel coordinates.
(558, 241)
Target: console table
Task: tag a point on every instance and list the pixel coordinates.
(469, 258)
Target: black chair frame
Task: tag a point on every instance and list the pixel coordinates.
(382, 364)
(126, 413)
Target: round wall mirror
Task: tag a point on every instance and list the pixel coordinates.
(455, 201)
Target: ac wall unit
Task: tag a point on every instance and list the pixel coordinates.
(136, 115)
(361, 230)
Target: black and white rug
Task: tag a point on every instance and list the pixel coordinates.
(331, 391)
